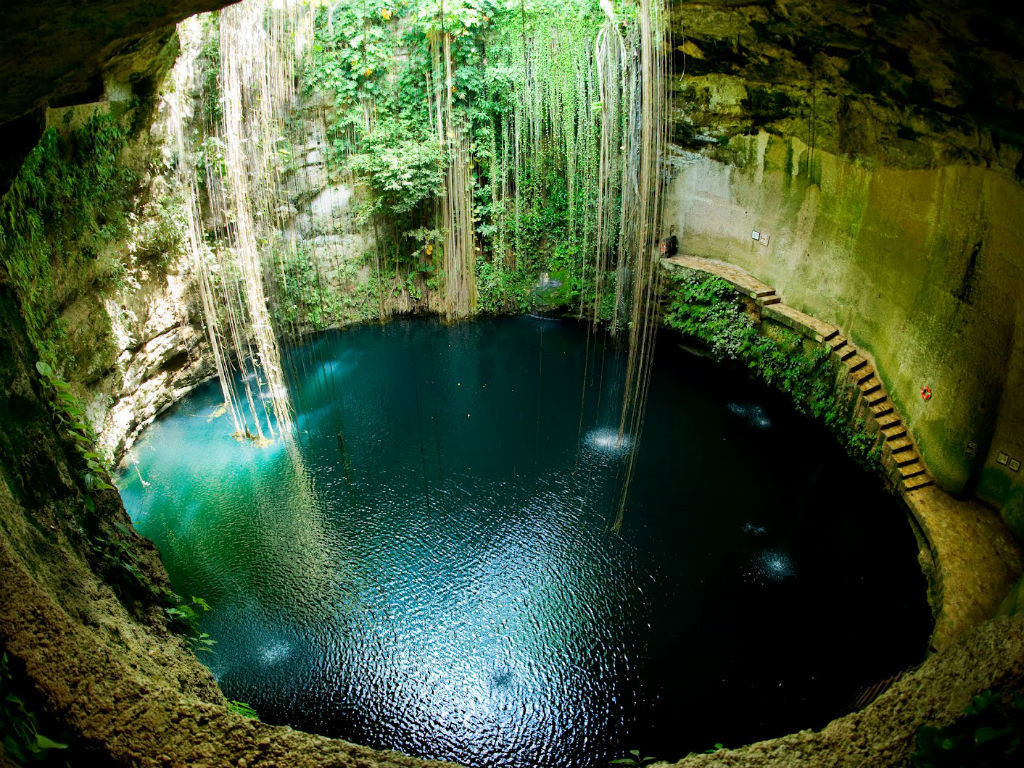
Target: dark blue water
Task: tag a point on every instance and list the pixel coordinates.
(432, 568)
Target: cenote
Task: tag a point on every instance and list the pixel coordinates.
(432, 567)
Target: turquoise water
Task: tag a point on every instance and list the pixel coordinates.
(430, 568)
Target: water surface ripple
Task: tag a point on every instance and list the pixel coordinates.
(431, 568)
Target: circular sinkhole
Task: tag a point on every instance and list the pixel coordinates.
(431, 567)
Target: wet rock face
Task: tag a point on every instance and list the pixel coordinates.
(162, 354)
(904, 84)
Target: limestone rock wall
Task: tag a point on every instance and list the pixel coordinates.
(132, 339)
(162, 354)
(140, 342)
(902, 83)
(321, 229)
(332, 272)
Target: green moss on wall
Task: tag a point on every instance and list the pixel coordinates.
(919, 268)
(58, 221)
(997, 486)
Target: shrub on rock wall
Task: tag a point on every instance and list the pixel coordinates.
(707, 309)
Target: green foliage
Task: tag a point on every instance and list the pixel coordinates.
(533, 198)
(120, 564)
(501, 289)
(161, 231)
(208, 71)
(402, 174)
(634, 759)
(22, 741)
(68, 203)
(70, 417)
(303, 299)
(184, 618)
(989, 735)
(536, 194)
(210, 158)
(381, 123)
(243, 709)
(707, 309)
(352, 49)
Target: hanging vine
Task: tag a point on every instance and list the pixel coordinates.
(503, 144)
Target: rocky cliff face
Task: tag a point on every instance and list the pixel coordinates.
(161, 355)
(58, 50)
(138, 339)
(54, 52)
(127, 333)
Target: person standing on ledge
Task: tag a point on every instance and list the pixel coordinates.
(670, 245)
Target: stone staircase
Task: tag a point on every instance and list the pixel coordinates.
(900, 456)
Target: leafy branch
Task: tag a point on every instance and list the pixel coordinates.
(185, 618)
(70, 416)
(243, 709)
(990, 734)
(634, 759)
(22, 741)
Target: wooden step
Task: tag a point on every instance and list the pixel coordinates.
(875, 399)
(894, 432)
(864, 374)
(870, 385)
(899, 444)
(836, 343)
(918, 481)
(767, 301)
(845, 353)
